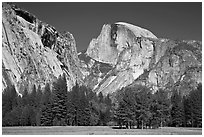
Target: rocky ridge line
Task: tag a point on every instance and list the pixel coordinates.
(34, 52)
(126, 55)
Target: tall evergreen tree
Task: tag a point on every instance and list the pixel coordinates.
(84, 110)
(124, 115)
(140, 107)
(47, 103)
(46, 97)
(25, 117)
(13, 117)
(196, 98)
(38, 98)
(32, 97)
(193, 107)
(108, 113)
(25, 97)
(163, 105)
(10, 110)
(177, 110)
(154, 120)
(9, 99)
(47, 115)
(129, 108)
(59, 109)
(72, 106)
(38, 101)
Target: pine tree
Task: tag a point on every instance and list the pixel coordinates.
(155, 114)
(120, 115)
(107, 100)
(163, 105)
(9, 99)
(193, 108)
(94, 117)
(72, 106)
(46, 97)
(47, 116)
(143, 101)
(177, 110)
(137, 107)
(108, 113)
(32, 97)
(83, 106)
(13, 117)
(59, 109)
(187, 111)
(25, 117)
(197, 106)
(25, 97)
(38, 98)
(38, 101)
(47, 104)
(128, 109)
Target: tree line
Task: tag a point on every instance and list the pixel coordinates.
(132, 108)
(139, 108)
(55, 106)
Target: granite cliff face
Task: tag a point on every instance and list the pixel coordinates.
(127, 55)
(33, 52)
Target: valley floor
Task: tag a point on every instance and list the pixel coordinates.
(97, 130)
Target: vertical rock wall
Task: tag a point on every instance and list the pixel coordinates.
(33, 52)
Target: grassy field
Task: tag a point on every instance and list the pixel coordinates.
(97, 130)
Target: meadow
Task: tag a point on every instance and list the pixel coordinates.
(97, 130)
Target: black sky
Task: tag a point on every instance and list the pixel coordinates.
(85, 20)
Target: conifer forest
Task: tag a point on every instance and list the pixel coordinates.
(130, 108)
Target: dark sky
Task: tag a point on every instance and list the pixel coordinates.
(85, 20)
